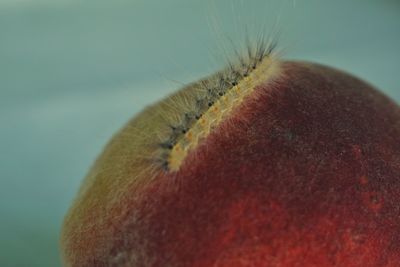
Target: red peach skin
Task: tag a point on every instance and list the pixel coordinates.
(306, 174)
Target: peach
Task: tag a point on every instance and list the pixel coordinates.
(300, 166)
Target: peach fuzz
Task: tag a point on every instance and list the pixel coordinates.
(304, 171)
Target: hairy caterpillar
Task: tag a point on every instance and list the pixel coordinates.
(213, 100)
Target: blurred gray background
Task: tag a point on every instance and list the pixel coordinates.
(73, 72)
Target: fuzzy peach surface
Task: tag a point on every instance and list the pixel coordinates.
(305, 173)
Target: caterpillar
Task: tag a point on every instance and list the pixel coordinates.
(213, 99)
